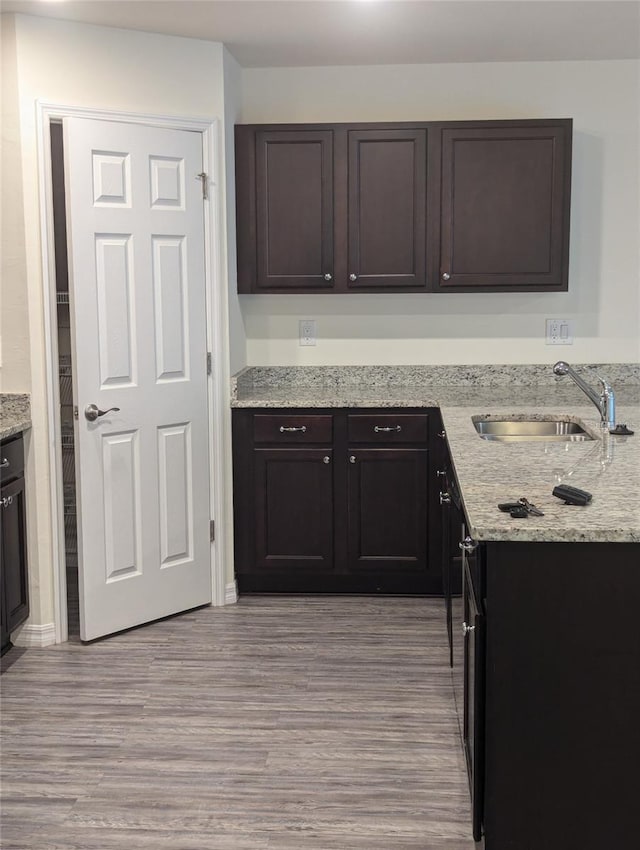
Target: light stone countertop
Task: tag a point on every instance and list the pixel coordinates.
(15, 414)
(490, 472)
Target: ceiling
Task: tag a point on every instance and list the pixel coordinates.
(265, 33)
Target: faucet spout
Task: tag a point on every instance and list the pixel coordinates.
(604, 401)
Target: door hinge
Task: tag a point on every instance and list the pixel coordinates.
(204, 178)
(208, 362)
(212, 530)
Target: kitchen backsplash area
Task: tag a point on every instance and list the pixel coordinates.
(308, 377)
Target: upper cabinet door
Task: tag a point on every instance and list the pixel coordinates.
(294, 210)
(504, 207)
(386, 209)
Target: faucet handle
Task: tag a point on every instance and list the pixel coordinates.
(606, 386)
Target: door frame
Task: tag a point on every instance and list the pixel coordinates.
(217, 400)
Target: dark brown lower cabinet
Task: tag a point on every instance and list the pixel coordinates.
(551, 694)
(294, 509)
(334, 502)
(14, 589)
(387, 508)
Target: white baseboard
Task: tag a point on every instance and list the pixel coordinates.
(35, 636)
(231, 593)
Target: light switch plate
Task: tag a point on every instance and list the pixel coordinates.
(559, 332)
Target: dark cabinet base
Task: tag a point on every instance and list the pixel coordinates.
(369, 585)
(14, 590)
(559, 690)
(335, 502)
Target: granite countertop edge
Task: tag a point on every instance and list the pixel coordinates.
(14, 427)
(15, 414)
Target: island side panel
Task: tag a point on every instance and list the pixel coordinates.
(562, 696)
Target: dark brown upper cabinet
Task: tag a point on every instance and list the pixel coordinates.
(503, 207)
(294, 210)
(387, 188)
(414, 207)
(331, 208)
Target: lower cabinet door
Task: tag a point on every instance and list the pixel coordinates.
(294, 509)
(387, 509)
(15, 590)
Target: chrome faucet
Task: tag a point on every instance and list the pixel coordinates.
(604, 401)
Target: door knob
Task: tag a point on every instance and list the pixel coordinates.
(92, 412)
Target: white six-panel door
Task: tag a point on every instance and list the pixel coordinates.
(137, 280)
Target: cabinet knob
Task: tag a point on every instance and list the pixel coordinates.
(468, 544)
(353, 277)
(466, 629)
(326, 459)
(441, 434)
(445, 498)
(328, 276)
(352, 459)
(446, 276)
(4, 463)
(6, 501)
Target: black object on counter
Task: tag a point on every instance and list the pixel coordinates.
(572, 495)
(621, 430)
(520, 509)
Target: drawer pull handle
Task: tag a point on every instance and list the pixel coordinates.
(290, 429)
(467, 629)
(385, 429)
(6, 501)
(5, 463)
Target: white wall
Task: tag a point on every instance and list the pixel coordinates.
(232, 106)
(603, 98)
(15, 373)
(83, 66)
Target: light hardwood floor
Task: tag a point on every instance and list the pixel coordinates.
(276, 724)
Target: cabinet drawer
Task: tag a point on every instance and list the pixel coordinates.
(388, 428)
(280, 428)
(12, 459)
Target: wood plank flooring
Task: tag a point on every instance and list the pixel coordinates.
(276, 724)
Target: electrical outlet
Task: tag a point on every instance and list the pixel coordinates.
(307, 330)
(559, 332)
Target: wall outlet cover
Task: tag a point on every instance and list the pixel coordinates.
(559, 332)
(307, 331)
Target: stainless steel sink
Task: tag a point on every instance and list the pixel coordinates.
(534, 430)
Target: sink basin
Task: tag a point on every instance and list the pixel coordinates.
(534, 430)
